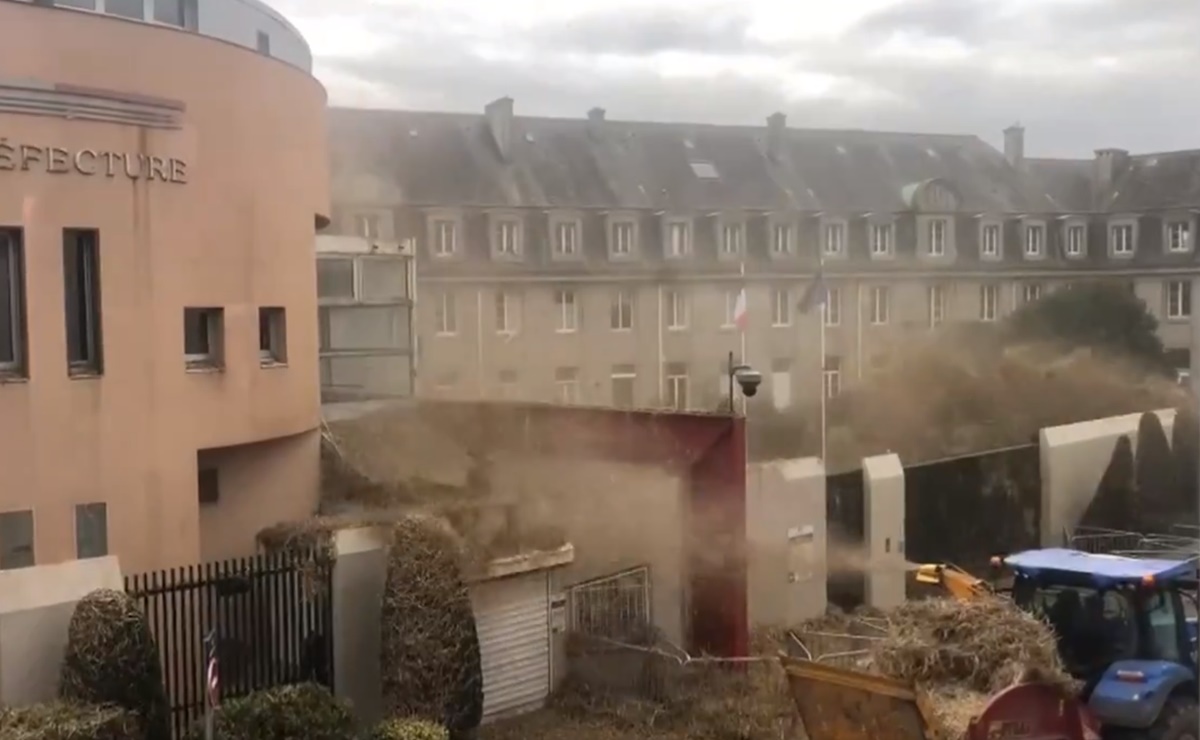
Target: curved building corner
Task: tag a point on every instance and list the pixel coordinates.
(160, 188)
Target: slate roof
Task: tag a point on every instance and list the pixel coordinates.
(451, 159)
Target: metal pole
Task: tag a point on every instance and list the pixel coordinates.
(729, 372)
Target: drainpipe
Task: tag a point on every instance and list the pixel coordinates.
(858, 332)
(479, 340)
(414, 347)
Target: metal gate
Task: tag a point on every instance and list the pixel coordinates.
(271, 617)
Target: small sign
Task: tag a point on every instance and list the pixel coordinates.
(558, 614)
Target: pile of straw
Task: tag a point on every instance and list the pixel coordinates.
(430, 662)
(68, 721)
(961, 653)
(111, 658)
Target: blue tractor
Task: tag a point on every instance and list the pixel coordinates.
(1126, 628)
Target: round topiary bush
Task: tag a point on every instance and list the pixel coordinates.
(61, 720)
(306, 711)
(409, 729)
(111, 658)
(430, 665)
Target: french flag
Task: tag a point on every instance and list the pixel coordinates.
(816, 294)
(739, 310)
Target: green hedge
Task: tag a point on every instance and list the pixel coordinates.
(300, 712)
(409, 729)
(62, 720)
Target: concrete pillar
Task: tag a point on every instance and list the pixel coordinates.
(358, 580)
(883, 531)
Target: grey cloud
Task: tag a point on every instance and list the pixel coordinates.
(959, 19)
(648, 30)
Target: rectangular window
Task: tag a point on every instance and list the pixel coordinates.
(445, 238)
(509, 390)
(676, 309)
(335, 278)
(938, 229)
(781, 307)
(135, 9)
(566, 383)
(12, 303)
(1122, 239)
(880, 308)
(1179, 299)
(781, 384)
(832, 309)
(81, 291)
(272, 335)
(832, 376)
(568, 311)
(621, 311)
(937, 305)
(1035, 240)
(1076, 233)
(621, 239)
(678, 239)
(781, 240)
(203, 337)
(989, 240)
(566, 239)
(16, 540)
(508, 312)
(508, 238)
(91, 531)
(731, 300)
(989, 302)
(1031, 292)
(1179, 235)
(677, 386)
(81, 4)
(835, 239)
(264, 45)
(881, 240)
(169, 12)
(623, 379)
(208, 485)
(731, 240)
(445, 318)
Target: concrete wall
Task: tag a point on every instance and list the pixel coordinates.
(1073, 459)
(358, 579)
(36, 605)
(883, 531)
(785, 541)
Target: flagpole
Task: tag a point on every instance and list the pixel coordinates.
(821, 318)
(742, 329)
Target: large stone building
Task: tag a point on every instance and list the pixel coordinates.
(598, 261)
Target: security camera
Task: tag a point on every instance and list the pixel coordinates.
(749, 380)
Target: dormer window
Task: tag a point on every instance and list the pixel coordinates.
(1035, 240)
(679, 239)
(835, 239)
(508, 238)
(781, 240)
(445, 237)
(1075, 240)
(881, 240)
(566, 238)
(989, 241)
(1179, 236)
(939, 230)
(731, 239)
(621, 238)
(1120, 239)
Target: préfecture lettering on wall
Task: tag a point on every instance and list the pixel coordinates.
(55, 160)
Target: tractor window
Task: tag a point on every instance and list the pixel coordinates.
(1094, 628)
(1164, 615)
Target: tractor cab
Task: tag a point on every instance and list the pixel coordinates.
(1123, 629)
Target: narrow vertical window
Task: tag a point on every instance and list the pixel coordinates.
(81, 292)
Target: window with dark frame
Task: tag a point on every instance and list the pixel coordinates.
(81, 293)
(135, 9)
(202, 336)
(264, 43)
(208, 485)
(272, 335)
(91, 530)
(16, 540)
(12, 303)
(169, 12)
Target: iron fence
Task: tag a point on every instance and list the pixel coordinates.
(271, 616)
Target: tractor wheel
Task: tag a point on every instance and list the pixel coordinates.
(1179, 720)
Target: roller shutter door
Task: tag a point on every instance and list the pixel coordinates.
(513, 619)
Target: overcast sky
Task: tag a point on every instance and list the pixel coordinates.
(1078, 74)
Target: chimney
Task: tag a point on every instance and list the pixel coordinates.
(595, 121)
(776, 126)
(1106, 168)
(1014, 145)
(499, 115)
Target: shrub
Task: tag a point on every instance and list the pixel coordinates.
(409, 729)
(430, 664)
(62, 720)
(111, 658)
(305, 711)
